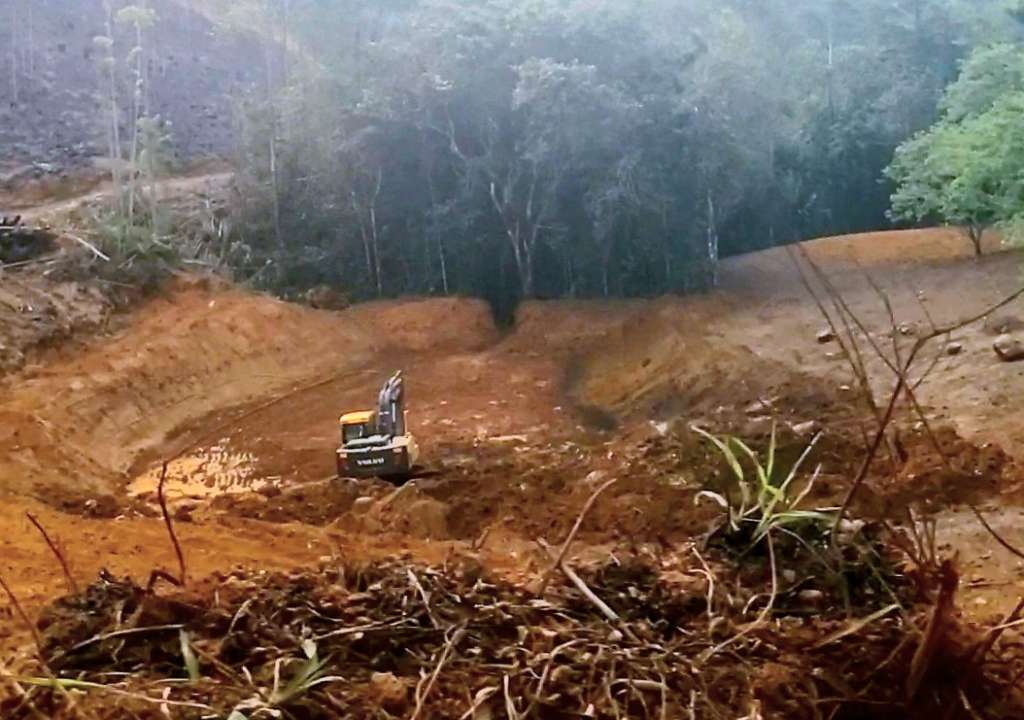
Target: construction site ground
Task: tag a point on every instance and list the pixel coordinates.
(239, 394)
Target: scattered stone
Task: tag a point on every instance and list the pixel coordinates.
(661, 428)
(806, 429)
(758, 408)
(1003, 324)
(812, 597)
(183, 513)
(391, 692)
(362, 505)
(270, 490)
(595, 478)
(907, 330)
(101, 506)
(1009, 348)
(505, 439)
(323, 297)
(826, 336)
(954, 348)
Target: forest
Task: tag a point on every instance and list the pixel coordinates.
(583, 148)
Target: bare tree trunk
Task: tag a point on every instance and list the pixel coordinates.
(444, 263)
(712, 240)
(276, 199)
(373, 235)
(31, 39)
(976, 233)
(13, 19)
(136, 112)
(116, 154)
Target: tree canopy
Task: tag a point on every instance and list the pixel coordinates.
(968, 169)
(513, 148)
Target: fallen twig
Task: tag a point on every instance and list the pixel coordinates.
(415, 582)
(858, 625)
(448, 648)
(993, 635)
(84, 243)
(937, 626)
(581, 585)
(66, 684)
(546, 578)
(991, 530)
(170, 525)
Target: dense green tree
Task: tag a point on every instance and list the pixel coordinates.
(968, 169)
(510, 148)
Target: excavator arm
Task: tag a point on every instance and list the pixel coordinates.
(391, 407)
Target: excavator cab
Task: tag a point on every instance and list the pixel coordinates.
(376, 443)
(356, 425)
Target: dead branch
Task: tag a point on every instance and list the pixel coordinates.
(991, 530)
(23, 616)
(170, 525)
(445, 653)
(560, 558)
(902, 371)
(72, 585)
(88, 245)
(580, 584)
(424, 596)
(938, 624)
(993, 635)
(851, 353)
(156, 575)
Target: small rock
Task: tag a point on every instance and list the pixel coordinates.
(1009, 348)
(826, 336)
(183, 513)
(851, 526)
(390, 691)
(789, 575)
(1003, 324)
(954, 348)
(806, 429)
(812, 597)
(595, 478)
(323, 297)
(759, 407)
(362, 505)
(270, 490)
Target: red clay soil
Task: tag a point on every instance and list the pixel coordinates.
(517, 429)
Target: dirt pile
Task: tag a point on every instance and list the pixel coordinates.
(38, 313)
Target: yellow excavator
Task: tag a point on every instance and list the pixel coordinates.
(377, 443)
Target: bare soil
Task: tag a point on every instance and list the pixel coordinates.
(240, 394)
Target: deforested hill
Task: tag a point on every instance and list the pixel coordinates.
(62, 58)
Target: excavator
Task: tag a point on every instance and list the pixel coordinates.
(376, 443)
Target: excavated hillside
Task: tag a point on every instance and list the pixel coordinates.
(239, 395)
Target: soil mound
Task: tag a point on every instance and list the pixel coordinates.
(453, 642)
